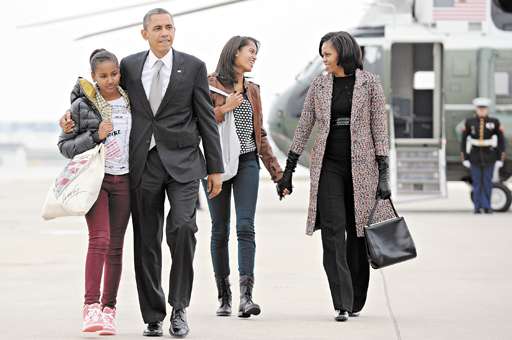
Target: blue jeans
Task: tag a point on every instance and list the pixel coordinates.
(245, 191)
(482, 185)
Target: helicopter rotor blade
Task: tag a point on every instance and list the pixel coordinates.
(88, 14)
(191, 11)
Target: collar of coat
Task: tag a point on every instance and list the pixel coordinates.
(214, 80)
(324, 85)
(92, 93)
(362, 77)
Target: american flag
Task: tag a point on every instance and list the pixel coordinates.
(460, 10)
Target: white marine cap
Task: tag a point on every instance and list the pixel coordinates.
(482, 102)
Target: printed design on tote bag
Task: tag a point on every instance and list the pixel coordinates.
(74, 168)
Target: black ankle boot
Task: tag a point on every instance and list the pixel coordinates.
(247, 306)
(224, 296)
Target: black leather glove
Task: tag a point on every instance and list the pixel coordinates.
(286, 181)
(383, 188)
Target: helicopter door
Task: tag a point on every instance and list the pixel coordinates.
(418, 153)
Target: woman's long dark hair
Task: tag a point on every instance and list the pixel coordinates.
(350, 56)
(226, 66)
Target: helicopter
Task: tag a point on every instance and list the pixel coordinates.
(433, 58)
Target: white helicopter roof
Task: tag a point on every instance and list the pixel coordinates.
(454, 31)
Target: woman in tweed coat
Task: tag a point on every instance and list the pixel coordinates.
(349, 166)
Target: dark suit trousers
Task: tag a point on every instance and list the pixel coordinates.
(344, 258)
(148, 216)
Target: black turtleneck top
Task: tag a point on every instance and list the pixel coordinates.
(338, 141)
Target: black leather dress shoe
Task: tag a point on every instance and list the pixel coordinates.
(153, 329)
(179, 327)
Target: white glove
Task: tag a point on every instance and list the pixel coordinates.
(466, 164)
(498, 164)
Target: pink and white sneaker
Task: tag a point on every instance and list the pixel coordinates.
(109, 321)
(92, 318)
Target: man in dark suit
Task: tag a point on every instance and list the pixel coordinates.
(171, 113)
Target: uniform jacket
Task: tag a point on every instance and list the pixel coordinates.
(483, 130)
(369, 135)
(184, 117)
(260, 135)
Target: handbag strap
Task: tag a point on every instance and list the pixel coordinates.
(218, 91)
(370, 218)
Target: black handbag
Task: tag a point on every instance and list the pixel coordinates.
(388, 242)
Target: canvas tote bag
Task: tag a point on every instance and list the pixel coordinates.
(77, 187)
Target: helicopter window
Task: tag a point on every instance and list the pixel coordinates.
(501, 12)
(373, 59)
(424, 80)
(503, 77)
(502, 83)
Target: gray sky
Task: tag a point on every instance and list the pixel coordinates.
(45, 61)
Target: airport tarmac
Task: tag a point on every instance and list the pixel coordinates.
(459, 287)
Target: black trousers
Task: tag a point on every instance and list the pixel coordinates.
(345, 261)
(148, 217)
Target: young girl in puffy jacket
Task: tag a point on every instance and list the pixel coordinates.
(100, 113)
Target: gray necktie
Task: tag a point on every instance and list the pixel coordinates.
(155, 93)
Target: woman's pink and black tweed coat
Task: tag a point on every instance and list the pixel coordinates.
(369, 132)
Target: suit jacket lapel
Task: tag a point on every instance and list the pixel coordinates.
(140, 87)
(177, 73)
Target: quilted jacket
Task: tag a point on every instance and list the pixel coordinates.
(87, 119)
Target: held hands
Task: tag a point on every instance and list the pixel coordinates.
(66, 123)
(214, 185)
(104, 129)
(383, 187)
(284, 185)
(233, 101)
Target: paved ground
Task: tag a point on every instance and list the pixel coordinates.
(458, 288)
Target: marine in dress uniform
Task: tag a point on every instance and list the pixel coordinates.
(487, 147)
